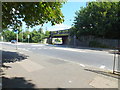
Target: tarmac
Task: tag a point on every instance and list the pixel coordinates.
(41, 71)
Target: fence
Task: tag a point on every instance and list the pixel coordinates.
(89, 40)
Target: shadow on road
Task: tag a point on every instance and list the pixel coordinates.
(16, 82)
(110, 74)
(11, 57)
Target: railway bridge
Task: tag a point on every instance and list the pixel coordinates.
(64, 34)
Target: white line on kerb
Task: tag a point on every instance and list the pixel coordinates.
(102, 66)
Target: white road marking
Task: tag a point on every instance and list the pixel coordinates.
(36, 45)
(102, 66)
(34, 48)
(82, 65)
(69, 49)
(23, 49)
(70, 81)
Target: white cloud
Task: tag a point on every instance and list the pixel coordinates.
(59, 27)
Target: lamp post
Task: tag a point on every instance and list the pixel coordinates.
(16, 31)
(22, 35)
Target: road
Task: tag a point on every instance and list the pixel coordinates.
(55, 66)
(84, 57)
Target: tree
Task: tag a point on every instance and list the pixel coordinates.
(41, 33)
(32, 13)
(8, 35)
(47, 33)
(101, 19)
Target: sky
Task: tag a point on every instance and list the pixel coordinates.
(68, 11)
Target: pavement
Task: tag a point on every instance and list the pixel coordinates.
(34, 70)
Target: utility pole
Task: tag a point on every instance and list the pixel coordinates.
(74, 40)
(22, 33)
(16, 31)
(28, 35)
(17, 42)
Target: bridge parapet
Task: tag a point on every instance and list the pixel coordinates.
(60, 32)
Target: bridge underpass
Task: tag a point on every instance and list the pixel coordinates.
(59, 34)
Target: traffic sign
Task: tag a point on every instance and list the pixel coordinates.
(16, 31)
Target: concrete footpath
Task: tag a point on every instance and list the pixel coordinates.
(25, 69)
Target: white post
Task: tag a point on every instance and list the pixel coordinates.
(22, 36)
(28, 40)
(17, 41)
(2, 38)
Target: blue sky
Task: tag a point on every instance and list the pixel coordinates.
(68, 11)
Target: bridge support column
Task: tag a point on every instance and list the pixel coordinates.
(49, 40)
(65, 40)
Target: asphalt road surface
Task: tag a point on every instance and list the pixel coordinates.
(84, 56)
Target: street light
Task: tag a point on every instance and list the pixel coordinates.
(16, 31)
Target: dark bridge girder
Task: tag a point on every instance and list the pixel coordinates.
(65, 40)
